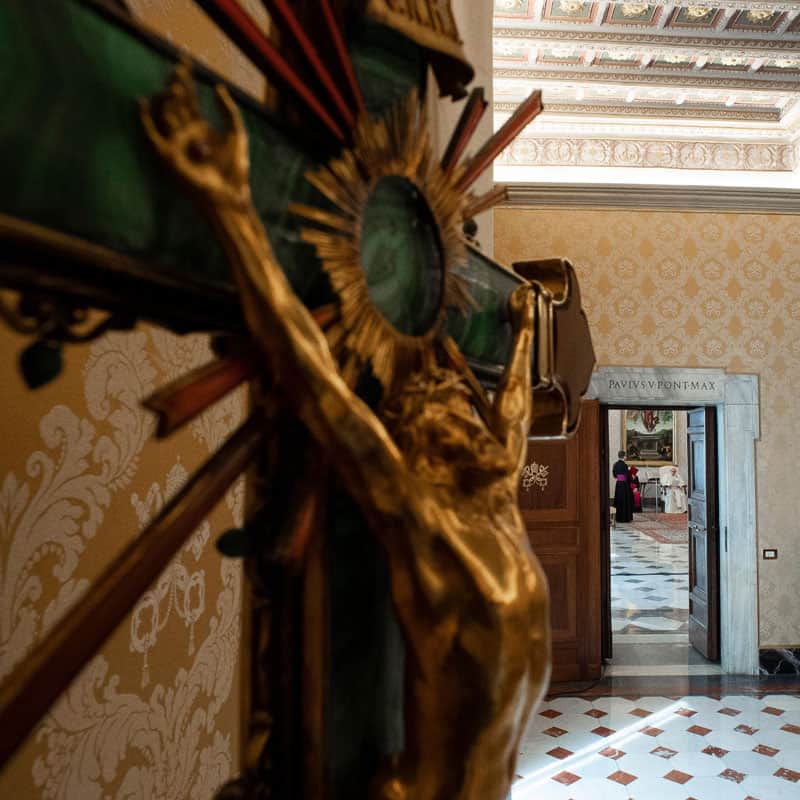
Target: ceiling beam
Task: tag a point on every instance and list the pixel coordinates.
(637, 110)
(623, 76)
(551, 36)
(726, 5)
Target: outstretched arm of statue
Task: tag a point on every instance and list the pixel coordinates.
(214, 166)
(512, 406)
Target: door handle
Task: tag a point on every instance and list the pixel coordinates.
(693, 526)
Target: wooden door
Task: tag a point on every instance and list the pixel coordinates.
(560, 502)
(703, 532)
(606, 631)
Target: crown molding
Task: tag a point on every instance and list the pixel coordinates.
(662, 41)
(704, 131)
(614, 110)
(633, 76)
(742, 5)
(653, 197)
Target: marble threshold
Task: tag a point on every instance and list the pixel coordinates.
(651, 638)
(635, 670)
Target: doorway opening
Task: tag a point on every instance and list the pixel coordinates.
(661, 588)
(735, 399)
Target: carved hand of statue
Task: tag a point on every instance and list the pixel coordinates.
(213, 163)
(521, 306)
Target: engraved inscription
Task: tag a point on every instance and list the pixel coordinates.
(435, 14)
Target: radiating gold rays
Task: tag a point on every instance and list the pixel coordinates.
(394, 145)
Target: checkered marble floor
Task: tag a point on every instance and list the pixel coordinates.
(649, 583)
(634, 551)
(740, 747)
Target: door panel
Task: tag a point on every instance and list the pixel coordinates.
(562, 580)
(560, 503)
(703, 532)
(551, 495)
(541, 537)
(605, 540)
(697, 475)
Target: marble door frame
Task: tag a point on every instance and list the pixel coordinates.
(736, 398)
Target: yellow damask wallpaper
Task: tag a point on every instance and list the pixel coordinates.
(697, 290)
(155, 714)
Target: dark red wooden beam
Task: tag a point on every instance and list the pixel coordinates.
(471, 115)
(344, 57)
(47, 672)
(182, 400)
(475, 205)
(525, 113)
(287, 22)
(242, 30)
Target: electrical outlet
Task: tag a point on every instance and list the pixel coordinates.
(769, 553)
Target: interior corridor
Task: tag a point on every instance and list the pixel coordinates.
(650, 598)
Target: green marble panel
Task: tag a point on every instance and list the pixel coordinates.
(388, 65)
(73, 157)
(400, 255)
(484, 333)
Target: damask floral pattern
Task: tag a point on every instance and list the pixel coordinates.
(80, 475)
(177, 589)
(697, 290)
(154, 715)
(50, 513)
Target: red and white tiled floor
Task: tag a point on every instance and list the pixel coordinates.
(740, 747)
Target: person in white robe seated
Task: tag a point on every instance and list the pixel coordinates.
(674, 494)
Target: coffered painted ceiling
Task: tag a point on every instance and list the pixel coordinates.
(702, 93)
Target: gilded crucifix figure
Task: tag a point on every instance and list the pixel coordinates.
(436, 481)
(341, 282)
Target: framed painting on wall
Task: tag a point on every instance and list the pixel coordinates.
(647, 436)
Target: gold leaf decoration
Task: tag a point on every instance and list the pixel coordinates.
(396, 145)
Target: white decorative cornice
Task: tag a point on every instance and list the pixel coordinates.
(655, 198)
(637, 110)
(649, 41)
(624, 75)
(730, 5)
(655, 94)
(737, 5)
(714, 130)
(650, 154)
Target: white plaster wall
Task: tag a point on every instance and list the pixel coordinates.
(679, 444)
(474, 18)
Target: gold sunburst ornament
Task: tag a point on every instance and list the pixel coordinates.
(396, 221)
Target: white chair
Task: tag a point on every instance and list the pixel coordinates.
(674, 491)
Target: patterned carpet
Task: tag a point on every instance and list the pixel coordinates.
(664, 528)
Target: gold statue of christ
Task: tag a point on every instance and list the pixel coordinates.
(436, 481)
